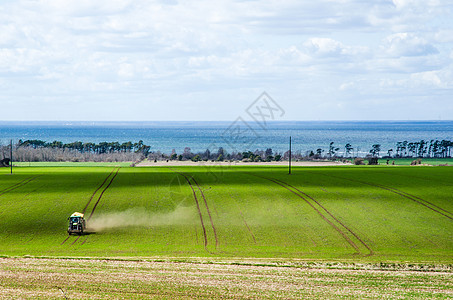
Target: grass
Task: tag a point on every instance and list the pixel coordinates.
(71, 164)
(408, 161)
(348, 214)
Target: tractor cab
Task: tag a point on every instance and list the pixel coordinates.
(77, 224)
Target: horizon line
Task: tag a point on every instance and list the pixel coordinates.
(212, 121)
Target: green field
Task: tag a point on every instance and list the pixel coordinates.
(408, 161)
(71, 164)
(350, 213)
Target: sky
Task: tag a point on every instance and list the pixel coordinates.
(208, 60)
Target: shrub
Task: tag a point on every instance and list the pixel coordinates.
(358, 161)
(373, 161)
(416, 162)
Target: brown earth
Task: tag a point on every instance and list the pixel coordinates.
(30, 278)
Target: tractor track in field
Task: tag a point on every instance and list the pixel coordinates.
(447, 183)
(330, 214)
(65, 240)
(75, 241)
(410, 195)
(17, 185)
(415, 198)
(406, 195)
(97, 202)
(207, 209)
(102, 193)
(92, 196)
(243, 218)
(247, 225)
(23, 197)
(78, 237)
(198, 208)
(301, 195)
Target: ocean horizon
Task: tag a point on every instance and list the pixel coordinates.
(238, 135)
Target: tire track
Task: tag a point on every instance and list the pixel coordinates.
(395, 190)
(248, 228)
(243, 218)
(5, 190)
(65, 240)
(447, 183)
(102, 193)
(198, 208)
(17, 185)
(330, 214)
(350, 242)
(196, 232)
(301, 195)
(406, 195)
(78, 237)
(24, 197)
(92, 196)
(207, 209)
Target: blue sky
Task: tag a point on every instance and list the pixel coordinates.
(209, 60)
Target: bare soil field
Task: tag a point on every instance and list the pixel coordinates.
(32, 278)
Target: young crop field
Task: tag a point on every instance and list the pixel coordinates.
(349, 213)
(426, 161)
(189, 231)
(71, 164)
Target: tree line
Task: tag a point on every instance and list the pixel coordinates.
(100, 148)
(432, 148)
(405, 149)
(38, 150)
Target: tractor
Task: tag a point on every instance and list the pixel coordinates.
(76, 223)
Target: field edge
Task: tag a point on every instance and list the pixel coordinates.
(260, 262)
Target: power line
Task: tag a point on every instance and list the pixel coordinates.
(289, 163)
(11, 155)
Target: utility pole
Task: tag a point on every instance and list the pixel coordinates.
(289, 156)
(11, 155)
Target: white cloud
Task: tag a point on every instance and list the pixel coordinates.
(427, 78)
(407, 44)
(174, 52)
(324, 47)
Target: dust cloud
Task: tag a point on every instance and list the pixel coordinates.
(141, 217)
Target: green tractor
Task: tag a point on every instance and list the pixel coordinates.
(77, 224)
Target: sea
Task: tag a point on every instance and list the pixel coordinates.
(238, 135)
